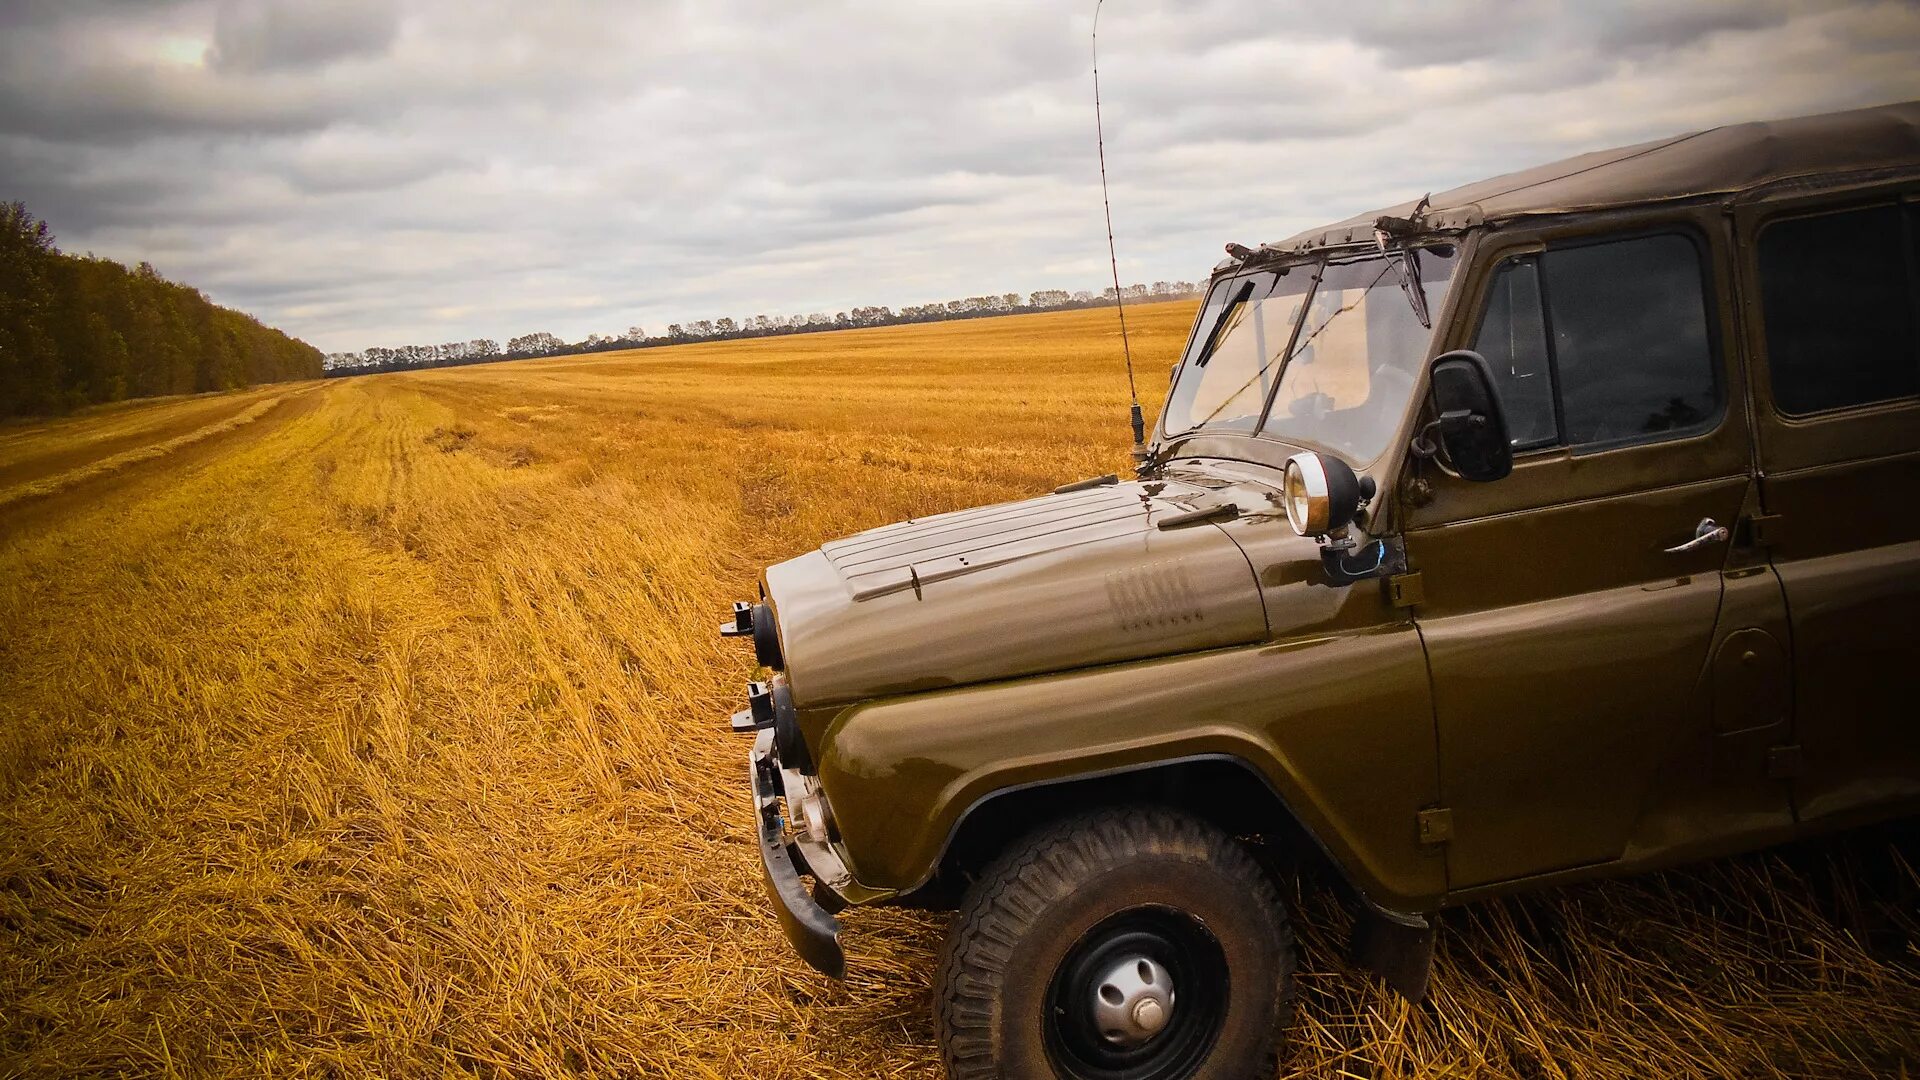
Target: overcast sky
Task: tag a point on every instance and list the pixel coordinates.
(373, 173)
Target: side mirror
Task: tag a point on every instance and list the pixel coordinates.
(1471, 425)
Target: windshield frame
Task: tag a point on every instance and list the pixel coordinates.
(1213, 437)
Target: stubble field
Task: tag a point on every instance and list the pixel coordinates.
(376, 728)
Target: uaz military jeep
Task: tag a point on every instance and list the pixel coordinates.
(1559, 525)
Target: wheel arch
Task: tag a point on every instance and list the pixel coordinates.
(1224, 789)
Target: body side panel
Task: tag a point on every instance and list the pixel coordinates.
(1340, 726)
(1844, 534)
(1567, 647)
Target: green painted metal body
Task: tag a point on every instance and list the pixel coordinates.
(1576, 698)
(1352, 756)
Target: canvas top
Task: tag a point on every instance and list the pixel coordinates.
(1718, 161)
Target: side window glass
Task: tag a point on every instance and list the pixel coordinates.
(1838, 302)
(1631, 350)
(1513, 338)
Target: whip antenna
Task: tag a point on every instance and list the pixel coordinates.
(1113, 258)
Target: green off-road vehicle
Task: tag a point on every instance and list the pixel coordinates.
(1561, 525)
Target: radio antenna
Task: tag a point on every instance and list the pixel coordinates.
(1113, 258)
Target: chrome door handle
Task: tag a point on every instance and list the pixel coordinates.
(1707, 532)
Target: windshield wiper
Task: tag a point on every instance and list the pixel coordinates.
(1406, 266)
(1220, 323)
(1385, 229)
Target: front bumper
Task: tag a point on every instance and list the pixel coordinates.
(812, 929)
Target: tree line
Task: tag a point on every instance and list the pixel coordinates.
(77, 330)
(487, 350)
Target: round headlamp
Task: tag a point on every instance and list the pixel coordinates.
(1321, 494)
(766, 638)
(787, 741)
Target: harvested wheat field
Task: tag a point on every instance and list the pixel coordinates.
(377, 728)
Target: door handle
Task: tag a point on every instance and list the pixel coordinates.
(1707, 532)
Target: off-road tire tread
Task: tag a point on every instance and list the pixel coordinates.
(1046, 866)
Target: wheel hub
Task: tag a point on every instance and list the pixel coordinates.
(1112, 1008)
(1132, 1001)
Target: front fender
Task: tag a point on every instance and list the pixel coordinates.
(1341, 727)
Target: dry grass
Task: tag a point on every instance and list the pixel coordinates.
(38, 451)
(387, 740)
(149, 445)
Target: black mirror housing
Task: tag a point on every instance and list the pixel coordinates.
(1471, 425)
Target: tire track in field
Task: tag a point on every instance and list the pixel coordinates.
(50, 497)
(35, 450)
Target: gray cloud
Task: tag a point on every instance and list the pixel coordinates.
(73, 100)
(379, 173)
(266, 35)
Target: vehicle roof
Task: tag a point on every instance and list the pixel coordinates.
(1718, 161)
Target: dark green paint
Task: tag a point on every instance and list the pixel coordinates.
(1577, 700)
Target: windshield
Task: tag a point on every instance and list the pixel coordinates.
(1236, 349)
(1355, 356)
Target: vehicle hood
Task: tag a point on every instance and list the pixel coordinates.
(1120, 572)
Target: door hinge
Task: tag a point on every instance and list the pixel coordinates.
(1435, 824)
(1784, 762)
(1406, 590)
(1761, 530)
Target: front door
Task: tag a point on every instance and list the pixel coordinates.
(1837, 407)
(1571, 611)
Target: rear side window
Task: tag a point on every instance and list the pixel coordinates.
(1602, 343)
(1837, 292)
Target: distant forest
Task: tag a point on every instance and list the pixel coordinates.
(487, 350)
(78, 330)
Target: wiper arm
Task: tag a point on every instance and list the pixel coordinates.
(1220, 323)
(1384, 230)
(1406, 266)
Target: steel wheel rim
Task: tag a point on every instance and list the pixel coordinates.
(1179, 948)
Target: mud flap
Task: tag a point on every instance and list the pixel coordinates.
(1396, 947)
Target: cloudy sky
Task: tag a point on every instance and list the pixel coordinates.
(361, 172)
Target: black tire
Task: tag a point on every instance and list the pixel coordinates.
(1046, 922)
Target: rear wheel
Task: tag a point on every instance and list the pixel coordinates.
(1126, 944)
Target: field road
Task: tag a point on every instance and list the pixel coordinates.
(35, 453)
(376, 727)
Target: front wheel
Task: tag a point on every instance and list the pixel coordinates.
(1126, 944)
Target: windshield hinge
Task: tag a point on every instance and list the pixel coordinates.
(1435, 824)
(1406, 590)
